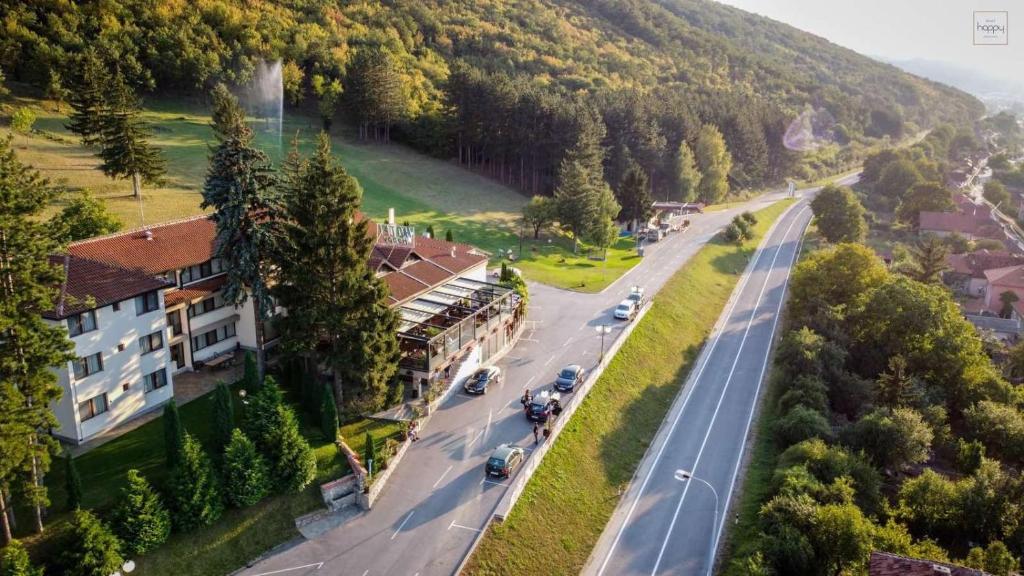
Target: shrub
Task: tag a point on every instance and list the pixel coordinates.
(969, 455)
(14, 561)
(91, 549)
(194, 493)
(261, 414)
(370, 460)
(749, 218)
(73, 483)
(250, 376)
(223, 417)
(448, 235)
(892, 438)
(173, 434)
(292, 461)
(22, 120)
(799, 424)
(733, 233)
(246, 479)
(140, 519)
(329, 415)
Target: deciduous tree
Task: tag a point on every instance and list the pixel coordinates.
(715, 162)
(839, 215)
(685, 174)
(84, 217)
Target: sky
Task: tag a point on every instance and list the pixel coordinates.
(939, 30)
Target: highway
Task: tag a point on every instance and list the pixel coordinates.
(670, 521)
(438, 500)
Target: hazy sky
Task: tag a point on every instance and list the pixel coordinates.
(906, 29)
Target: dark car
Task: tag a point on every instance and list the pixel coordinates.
(540, 407)
(570, 377)
(478, 381)
(504, 460)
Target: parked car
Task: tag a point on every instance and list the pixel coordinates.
(570, 377)
(478, 381)
(636, 294)
(504, 460)
(626, 310)
(541, 406)
(654, 234)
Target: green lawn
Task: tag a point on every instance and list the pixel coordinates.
(552, 262)
(240, 535)
(574, 492)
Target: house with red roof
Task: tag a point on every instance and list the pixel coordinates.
(143, 305)
(966, 274)
(886, 564)
(970, 220)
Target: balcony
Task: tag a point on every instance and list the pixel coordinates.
(437, 326)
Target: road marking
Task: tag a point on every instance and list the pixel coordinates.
(675, 421)
(549, 360)
(442, 477)
(486, 481)
(366, 572)
(315, 566)
(454, 525)
(528, 339)
(402, 525)
(532, 378)
(461, 395)
(581, 328)
(721, 398)
(475, 438)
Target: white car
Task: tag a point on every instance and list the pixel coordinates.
(626, 310)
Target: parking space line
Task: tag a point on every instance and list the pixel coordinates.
(486, 481)
(530, 381)
(454, 525)
(461, 395)
(442, 476)
(548, 361)
(402, 525)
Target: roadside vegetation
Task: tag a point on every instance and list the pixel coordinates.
(573, 493)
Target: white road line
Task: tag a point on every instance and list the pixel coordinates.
(475, 438)
(366, 572)
(532, 378)
(461, 395)
(454, 525)
(402, 525)
(548, 361)
(315, 566)
(686, 399)
(486, 481)
(442, 477)
(721, 398)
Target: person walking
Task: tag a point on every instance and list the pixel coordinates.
(536, 434)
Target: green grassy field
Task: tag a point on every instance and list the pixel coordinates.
(552, 262)
(574, 492)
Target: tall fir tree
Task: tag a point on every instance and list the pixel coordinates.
(14, 561)
(124, 140)
(375, 93)
(370, 459)
(634, 197)
(140, 519)
(29, 286)
(685, 174)
(246, 478)
(250, 374)
(89, 86)
(292, 461)
(342, 315)
(581, 182)
(72, 482)
(239, 187)
(223, 417)
(329, 415)
(602, 230)
(260, 414)
(91, 549)
(194, 492)
(715, 162)
(174, 434)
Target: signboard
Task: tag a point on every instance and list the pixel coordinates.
(395, 235)
(791, 188)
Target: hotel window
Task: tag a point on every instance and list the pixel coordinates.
(200, 271)
(174, 322)
(154, 381)
(92, 407)
(87, 365)
(151, 343)
(205, 306)
(210, 338)
(146, 303)
(82, 323)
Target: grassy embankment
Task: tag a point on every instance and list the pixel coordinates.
(574, 492)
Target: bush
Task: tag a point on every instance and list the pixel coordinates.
(22, 120)
(292, 461)
(969, 455)
(799, 424)
(223, 417)
(140, 519)
(892, 439)
(72, 483)
(14, 561)
(250, 376)
(261, 415)
(246, 479)
(173, 434)
(733, 233)
(370, 460)
(194, 492)
(749, 218)
(91, 549)
(329, 415)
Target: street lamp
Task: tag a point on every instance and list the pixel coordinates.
(683, 476)
(602, 330)
(241, 394)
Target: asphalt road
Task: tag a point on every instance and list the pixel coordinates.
(438, 499)
(668, 523)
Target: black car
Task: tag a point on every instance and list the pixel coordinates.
(478, 381)
(504, 460)
(541, 406)
(570, 377)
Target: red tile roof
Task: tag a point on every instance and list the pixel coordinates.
(89, 285)
(1009, 277)
(194, 292)
(885, 564)
(974, 264)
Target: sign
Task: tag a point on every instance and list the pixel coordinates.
(990, 28)
(394, 235)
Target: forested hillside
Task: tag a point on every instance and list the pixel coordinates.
(505, 87)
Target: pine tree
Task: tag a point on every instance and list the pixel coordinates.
(370, 460)
(14, 561)
(250, 374)
(580, 193)
(345, 320)
(375, 93)
(329, 415)
(715, 162)
(73, 483)
(685, 174)
(140, 519)
(91, 548)
(239, 187)
(173, 434)
(246, 479)
(124, 141)
(28, 345)
(223, 417)
(292, 461)
(261, 414)
(929, 260)
(194, 493)
(430, 231)
(634, 197)
(448, 235)
(88, 102)
(603, 231)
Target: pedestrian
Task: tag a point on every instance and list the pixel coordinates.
(536, 434)
(412, 431)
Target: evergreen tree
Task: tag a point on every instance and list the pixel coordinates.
(329, 415)
(292, 461)
(140, 519)
(250, 374)
(89, 86)
(603, 231)
(448, 235)
(430, 231)
(576, 198)
(634, 198)
(73, 483)
(14, 561)
(91, 548)
(85, 217)
(29, 346)
(223, 417)
(929, 260)
(685, 173)
(342, 316)
(374, 89)
(173, 434)
(896, 386)
(194, 494)
(124, 141)
(246, 479)
(370, 460)
(239, 187)
(715, 162)
(261, 414)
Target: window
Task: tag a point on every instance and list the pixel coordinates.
(174, 322)
(147, 302)
(151, 343)
(205, 306)
(82, 323)
(125, 386)
(213, 336)
(92, 407)
(116, 306)
(154, 381)
(178, 355)
(120, 346)
(200, 271)
(88, 365)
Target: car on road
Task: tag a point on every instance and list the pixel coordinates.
(636, 294)
(570, 377)
(478, 381)
(626, 310)
(541, 406)
(504, 460)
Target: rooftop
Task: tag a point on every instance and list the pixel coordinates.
(885, 564)
(89, 284)
(975, 264)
